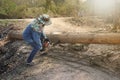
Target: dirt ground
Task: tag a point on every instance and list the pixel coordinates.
(63, 61)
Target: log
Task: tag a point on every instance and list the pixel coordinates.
(93, 38)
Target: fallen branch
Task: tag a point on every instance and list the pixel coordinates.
(4, 32)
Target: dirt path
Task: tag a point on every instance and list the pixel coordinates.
(59, 25)
(60, 64)
(63, 25)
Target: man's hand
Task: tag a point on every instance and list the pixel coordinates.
(46, 40)
(46, 43)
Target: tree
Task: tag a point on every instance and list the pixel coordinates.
(7, 7)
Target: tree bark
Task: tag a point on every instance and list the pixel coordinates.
(93, 38)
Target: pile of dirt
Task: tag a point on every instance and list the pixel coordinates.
(8, 56)
(7, 49)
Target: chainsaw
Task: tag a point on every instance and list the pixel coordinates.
(47, 46)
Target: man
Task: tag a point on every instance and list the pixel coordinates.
(33, 35)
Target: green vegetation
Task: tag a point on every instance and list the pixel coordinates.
(6, 8)
(33, 8)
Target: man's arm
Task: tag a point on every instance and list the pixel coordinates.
(43, 35)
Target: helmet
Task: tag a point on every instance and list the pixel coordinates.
(44, 19)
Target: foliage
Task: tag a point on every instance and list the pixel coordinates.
(19, 11)
(69, 8)
(7, 7)
(33, 8)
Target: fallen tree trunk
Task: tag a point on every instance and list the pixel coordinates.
(95, 38)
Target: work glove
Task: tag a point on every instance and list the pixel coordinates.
(46, 40)
(46, 43)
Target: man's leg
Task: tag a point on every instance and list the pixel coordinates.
(33, 52)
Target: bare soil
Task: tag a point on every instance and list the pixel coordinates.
(63, 61)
